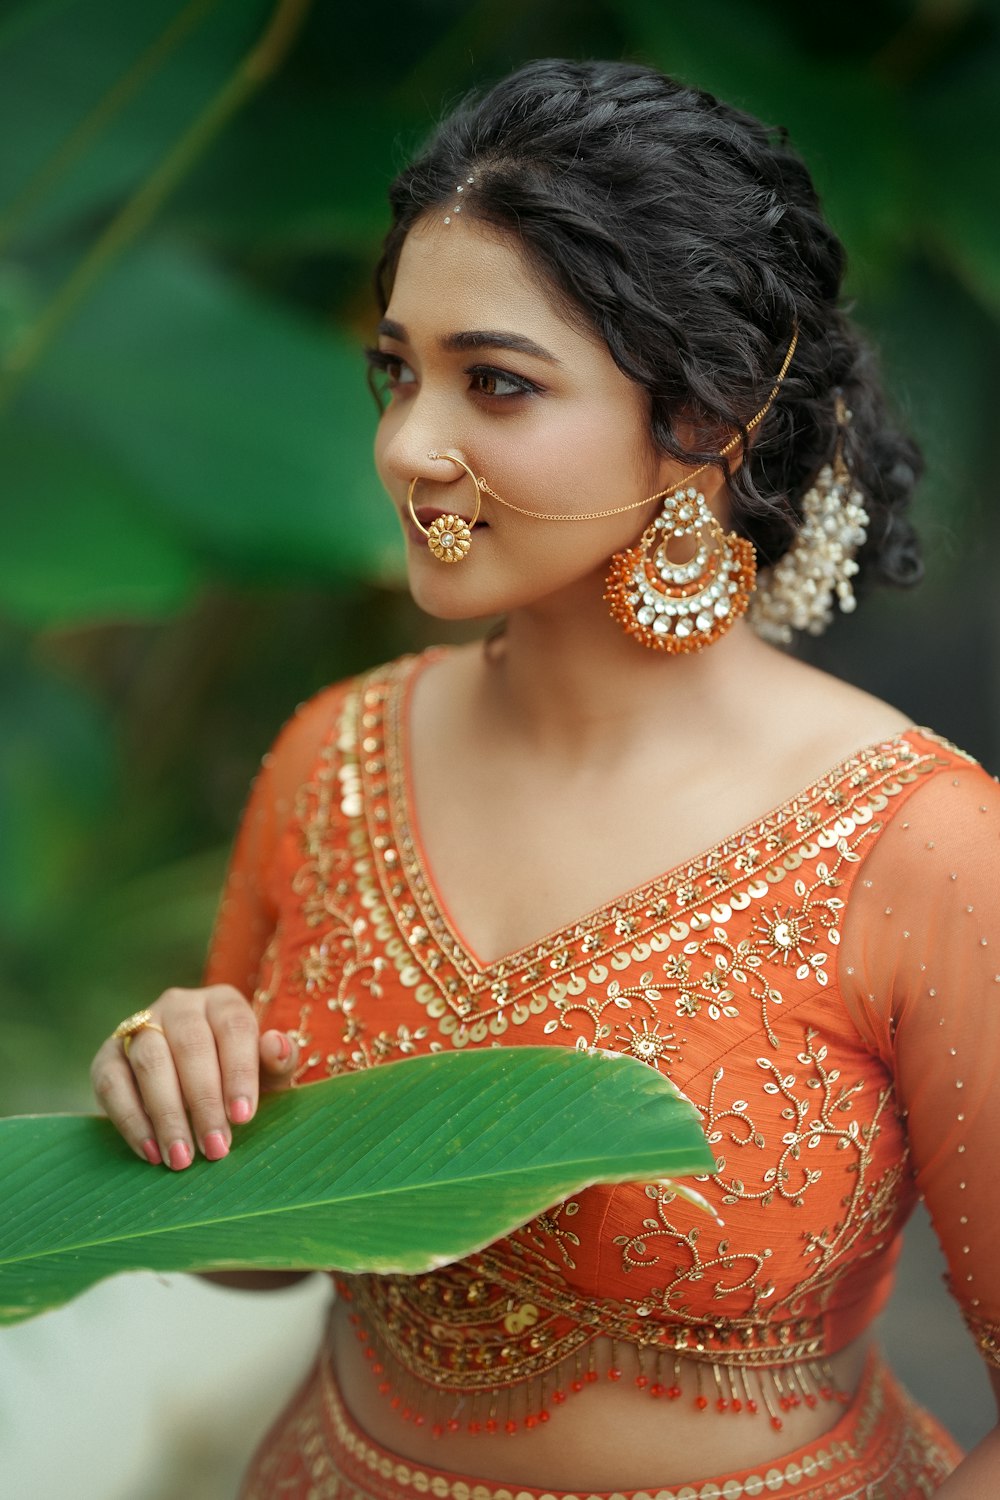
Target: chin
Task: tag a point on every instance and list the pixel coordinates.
(444, 598)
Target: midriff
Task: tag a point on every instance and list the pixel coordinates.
(608, 1436)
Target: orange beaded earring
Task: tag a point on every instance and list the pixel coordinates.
(686, 605)
(682, 606)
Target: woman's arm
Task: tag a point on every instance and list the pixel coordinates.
(978, 1475)
(255, 1281)
(187, 1084)
(919, 968)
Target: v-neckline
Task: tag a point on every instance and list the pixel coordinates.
(433, 905)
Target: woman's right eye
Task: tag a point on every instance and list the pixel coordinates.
(394, 370)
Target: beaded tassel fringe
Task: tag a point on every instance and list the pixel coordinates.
(727, 1388)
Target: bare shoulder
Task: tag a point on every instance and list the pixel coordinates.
(834, 718)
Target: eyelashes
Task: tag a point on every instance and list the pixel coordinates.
(383, 363)
(487, 381)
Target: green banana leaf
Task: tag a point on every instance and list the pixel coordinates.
(399, 1168)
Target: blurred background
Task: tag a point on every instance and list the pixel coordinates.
(192, 538)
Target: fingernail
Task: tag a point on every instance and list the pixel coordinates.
(152, 1153)
(215, 1145)
(239, 1111)
(282, 1045)
(179, 1156)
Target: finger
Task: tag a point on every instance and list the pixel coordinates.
(195, 1058)
(279, 1056)
(155, 1077)
(114, 1085)
(237, 1042)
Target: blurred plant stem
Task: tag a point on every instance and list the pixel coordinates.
(263, 59)
(90, 128)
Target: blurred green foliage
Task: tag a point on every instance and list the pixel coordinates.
(192, 534)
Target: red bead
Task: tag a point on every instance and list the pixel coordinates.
(701, 1402)
(378, 1369)
(474, 1427)
(453, 1424)
(656, 1389)
(437, 1430)
(674, 1392)
(407, 1414)
(510, 1425)
(543, 1416)
(642, 1381)
(752, 1407)
(826, 1393)
(590, 1376)
(394, 1403)
(737, 1404)
(777, 1423)
(810, 1400)
(491, 1424)
(559, 1397)
(576, 1385)
(721, 1404)
(614, 1374)
(369, 1354)
(785, 1403)
(419, 1420)
(530, 1421)
(384, 1387)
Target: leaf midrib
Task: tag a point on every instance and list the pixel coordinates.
(367, 1195)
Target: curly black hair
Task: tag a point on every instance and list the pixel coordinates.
(689, 236)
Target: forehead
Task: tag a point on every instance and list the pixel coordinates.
(465, 275)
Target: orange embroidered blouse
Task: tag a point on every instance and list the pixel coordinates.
(824, 985)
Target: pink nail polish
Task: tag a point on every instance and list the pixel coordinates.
(284, 1047)
(179, 1156)
(152, 1153)
(239, 1111)
(215, 1146)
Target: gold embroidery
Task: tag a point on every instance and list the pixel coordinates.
(629, 929)
(885, 1447)
(986, 1333)
(736, 943)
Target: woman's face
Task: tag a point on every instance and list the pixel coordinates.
(482, 363)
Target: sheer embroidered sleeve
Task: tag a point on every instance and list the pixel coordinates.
(250, 900)
(920, 971)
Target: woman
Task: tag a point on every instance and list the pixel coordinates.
(618, 381)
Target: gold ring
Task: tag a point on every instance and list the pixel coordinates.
(142, 1020)
(449, 537)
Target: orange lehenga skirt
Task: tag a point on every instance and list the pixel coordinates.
(884, 1447)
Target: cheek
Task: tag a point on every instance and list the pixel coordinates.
(571, 458)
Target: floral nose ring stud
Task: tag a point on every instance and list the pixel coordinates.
(449, 537)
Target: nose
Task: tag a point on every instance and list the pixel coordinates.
(418, 457)
(414, 440)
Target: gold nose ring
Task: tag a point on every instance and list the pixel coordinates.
(449, 537)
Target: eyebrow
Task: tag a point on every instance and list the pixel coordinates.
(475, 338)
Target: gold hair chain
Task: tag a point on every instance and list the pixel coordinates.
(620, 510)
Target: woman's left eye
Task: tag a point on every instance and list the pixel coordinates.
(487, 381)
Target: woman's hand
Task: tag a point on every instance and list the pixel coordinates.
(184, 1089)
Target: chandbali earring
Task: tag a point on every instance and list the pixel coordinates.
(798, 592)
(687, 604)
(449, 536)
(682, 605)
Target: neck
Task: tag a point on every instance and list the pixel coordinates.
(566, 676)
